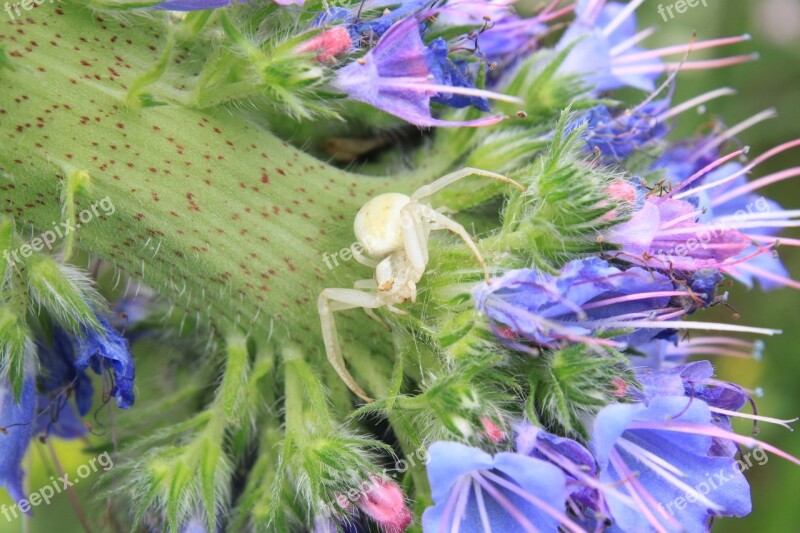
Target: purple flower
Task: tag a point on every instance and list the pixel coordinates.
(604, 50)
(666, 234)
(587, 298)
(394, 76)
(475, 492)
(194, 5)
(501, 36)
(106, 352)
(712, 218)
(15, 423)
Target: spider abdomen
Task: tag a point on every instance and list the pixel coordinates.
(378, 225)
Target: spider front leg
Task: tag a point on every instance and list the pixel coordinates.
(331, 300)
(444, 181)
(424, 215)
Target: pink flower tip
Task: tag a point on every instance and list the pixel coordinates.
(385, 503)
(328, 45)
(491, 430)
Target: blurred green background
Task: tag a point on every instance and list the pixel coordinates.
(773, 81)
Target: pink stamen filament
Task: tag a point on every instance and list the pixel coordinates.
(694, 102)
(769, 275)
(656, 464)
(705, 326)
(487, 528)
(631, 298)
(760, 216)
(699, 228)
(689, 65)
(637, 492)
(683, 218)
(779, 241)
(719, 162)
(711, 431)
(580, 475)
(681, 49)
(777, 421)
(461, 507)
(424, 86)
(746, 124)
(538, 502)
(454, 497)
(759, 183)
(701, 341)
(712, 351)
(623, 15)
(633, 41)
(505, 504)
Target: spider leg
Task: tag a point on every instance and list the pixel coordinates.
(439, 220)
(370, 285)
(444, 181)
(415, 236)
(361, 258)
(331, 300)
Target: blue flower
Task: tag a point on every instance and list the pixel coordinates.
(584, 490)
(446, 72)
(107, 351)
(394, 76)
(619, 135)
(59, 376)
(587, 298)
(15, 422)
(475, 492)
(669, 480)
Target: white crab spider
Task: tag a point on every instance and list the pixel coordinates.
(393, 230)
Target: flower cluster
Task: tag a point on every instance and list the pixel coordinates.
(546, 371)
(663, 457)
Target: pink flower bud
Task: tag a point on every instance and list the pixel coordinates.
(622, 192)
(620, 387)
(491, 430)
(327, 45)
(385, 504)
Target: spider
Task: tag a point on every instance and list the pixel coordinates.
(393, 230)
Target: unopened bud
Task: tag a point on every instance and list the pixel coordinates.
(327, 45)
(491, 430)
(385, 504)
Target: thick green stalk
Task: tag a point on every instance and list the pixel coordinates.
(215, 212)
